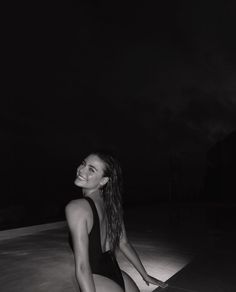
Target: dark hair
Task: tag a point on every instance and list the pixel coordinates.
(112, 196)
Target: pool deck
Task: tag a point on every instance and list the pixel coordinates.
(38, 258)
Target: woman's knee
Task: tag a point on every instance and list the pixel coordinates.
(130, 285)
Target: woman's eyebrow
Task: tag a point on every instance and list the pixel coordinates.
(90, 165)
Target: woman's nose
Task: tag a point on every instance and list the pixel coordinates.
(78, 170)
(81, 169)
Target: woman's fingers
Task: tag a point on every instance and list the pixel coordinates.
(154, 281)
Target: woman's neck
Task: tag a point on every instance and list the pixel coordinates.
(92, 194)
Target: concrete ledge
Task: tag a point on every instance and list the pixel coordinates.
(16, 232)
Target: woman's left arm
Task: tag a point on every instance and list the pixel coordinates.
(76, 216)
(130, 253)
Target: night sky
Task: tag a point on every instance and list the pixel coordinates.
(154, 83)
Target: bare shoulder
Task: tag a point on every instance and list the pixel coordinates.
(76, 210)
(74, 204)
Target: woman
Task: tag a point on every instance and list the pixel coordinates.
(97, 229)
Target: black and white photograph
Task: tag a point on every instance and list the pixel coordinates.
(118, 146)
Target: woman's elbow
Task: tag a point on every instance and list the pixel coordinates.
(82, 268)
(124, 244)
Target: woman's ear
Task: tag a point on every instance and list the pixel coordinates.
(104, 180)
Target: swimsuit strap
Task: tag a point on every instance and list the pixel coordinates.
(96, 222)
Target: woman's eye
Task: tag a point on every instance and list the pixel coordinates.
(91, 169)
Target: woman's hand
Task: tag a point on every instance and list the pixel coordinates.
(151, 280)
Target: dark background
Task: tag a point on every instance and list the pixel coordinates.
(155, 83)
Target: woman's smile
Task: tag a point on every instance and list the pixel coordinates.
(80, 177)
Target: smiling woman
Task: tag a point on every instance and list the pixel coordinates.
(97, 228)
(90, 174)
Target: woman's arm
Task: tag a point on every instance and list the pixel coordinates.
(77, 216)
(130, 253)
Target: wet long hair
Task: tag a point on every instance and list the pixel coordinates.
(112, 193)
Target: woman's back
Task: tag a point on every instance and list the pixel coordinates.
(102, 259)
(100, 210)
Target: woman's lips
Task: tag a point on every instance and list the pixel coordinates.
(81, 177)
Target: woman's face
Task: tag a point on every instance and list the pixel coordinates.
(90, 174)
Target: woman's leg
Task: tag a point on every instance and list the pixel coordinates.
(104, 284)
(130, 285)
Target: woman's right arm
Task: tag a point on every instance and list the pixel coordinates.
(130, 253)
(77, 216)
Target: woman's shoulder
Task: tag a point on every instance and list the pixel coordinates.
(78, 208)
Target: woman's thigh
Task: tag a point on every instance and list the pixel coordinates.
(104, 284)
(130, 285)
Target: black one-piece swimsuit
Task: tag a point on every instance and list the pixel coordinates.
(102, 263)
